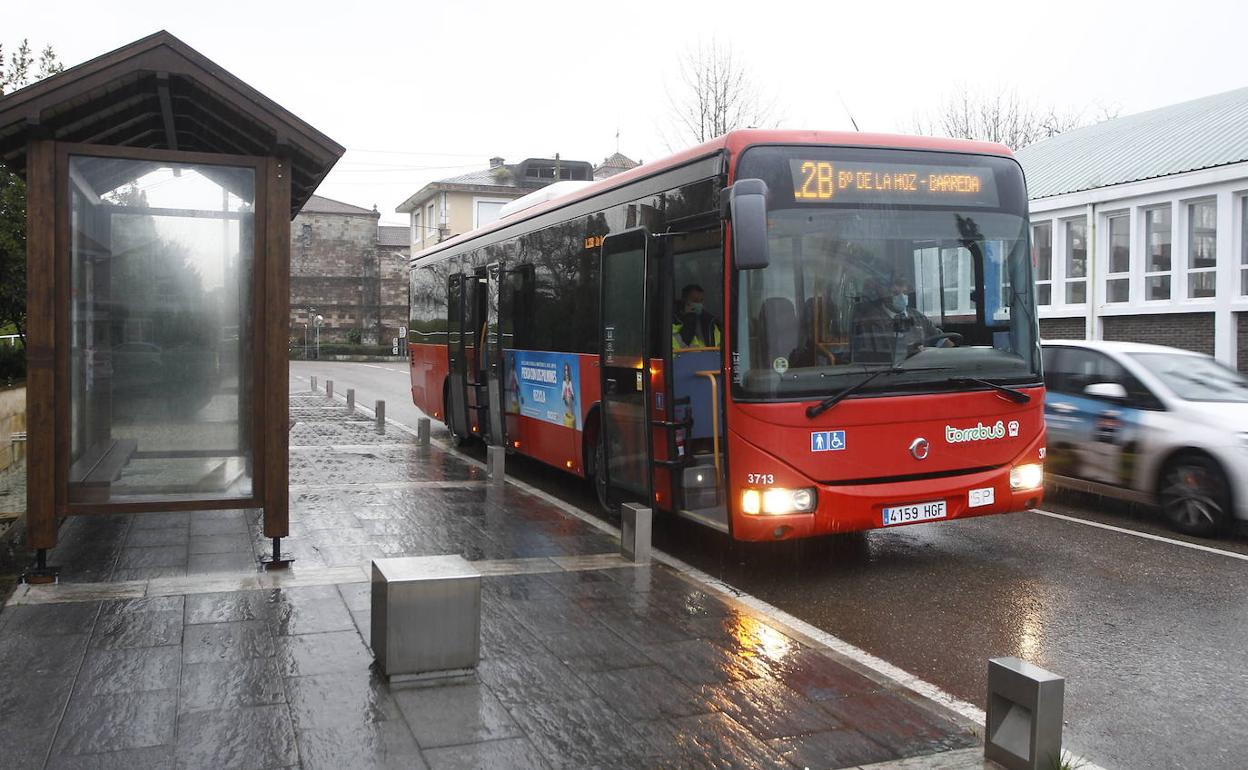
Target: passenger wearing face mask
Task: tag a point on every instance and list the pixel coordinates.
(886, 328)
(692, 326)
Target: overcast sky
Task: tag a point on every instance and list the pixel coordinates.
(417, 92)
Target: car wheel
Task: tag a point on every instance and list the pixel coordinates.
(1195, 496)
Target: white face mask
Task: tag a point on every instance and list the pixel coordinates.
(695, 308)
(901, 302)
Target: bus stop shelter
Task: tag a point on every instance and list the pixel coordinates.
(160, 194)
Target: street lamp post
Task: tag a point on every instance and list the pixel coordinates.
(320, 320)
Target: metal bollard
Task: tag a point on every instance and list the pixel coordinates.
(425, 616)
(314, 382)
(495, 464)
(380, 409)
(350, 399)
(1024, 717)
(329, 388)
(635, 532)
(422, 431)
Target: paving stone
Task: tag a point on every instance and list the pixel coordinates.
(699, 661)
(531, 679)
(893, 721)
(39, 620)
(593, 648)
(236, 739)
(25, 748)
(163, 537)
(452, 714)
(202, 526)
(227, 607)
(48, 656)
(769, 709)
(310, 610)
(205, 563)
(33, 702)
(231, 684)
(238, 640)
(580, 733)
(147, 573)
(347, 699)
(148, 622)
(817, 677)
(647, 693)
(831, 748)
(103, 723)
(309, 654)
(513, 753)
(148, 669)
(228, 543)
(380, 746)
(157, 556)
(147, 758)
(706, 741)
(180, 520)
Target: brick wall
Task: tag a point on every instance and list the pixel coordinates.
(335, 268)
(1062, 328)
(1190, 331)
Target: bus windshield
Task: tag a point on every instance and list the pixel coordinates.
(923, 265)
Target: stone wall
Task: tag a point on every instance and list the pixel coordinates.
(1063, 328)
(335, 270)
(1241, 341)
(1190, 331)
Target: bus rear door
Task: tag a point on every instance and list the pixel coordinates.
(456, 411)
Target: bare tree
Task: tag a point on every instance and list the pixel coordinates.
(715, 95)
(996, 116)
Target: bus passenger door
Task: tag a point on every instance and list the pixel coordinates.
(622, 356)
(492, 352)
(476, 287)
(456, 409)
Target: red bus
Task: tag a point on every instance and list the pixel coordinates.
(777, 334)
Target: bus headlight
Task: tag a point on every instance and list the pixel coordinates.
(778, 502)
(1029, 476)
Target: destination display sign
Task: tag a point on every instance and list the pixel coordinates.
(831, 181)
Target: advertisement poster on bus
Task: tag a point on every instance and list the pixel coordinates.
(544, 386)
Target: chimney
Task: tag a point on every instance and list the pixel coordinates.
(495, 162)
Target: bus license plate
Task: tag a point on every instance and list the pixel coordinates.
(905, 514)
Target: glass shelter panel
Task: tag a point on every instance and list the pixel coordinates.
(160, 330)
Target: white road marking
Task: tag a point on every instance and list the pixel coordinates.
(1145, 535)
(373, 366)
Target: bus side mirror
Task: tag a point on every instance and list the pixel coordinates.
(747, 201)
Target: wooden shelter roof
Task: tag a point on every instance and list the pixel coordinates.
(159, 93)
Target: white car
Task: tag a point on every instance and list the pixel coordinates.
(1152, 424)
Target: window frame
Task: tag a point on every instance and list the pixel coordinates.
(477, 200)
(1037, 259)
(1146, 234)
(1190, 236)
(1069, 282)
(1123, 276)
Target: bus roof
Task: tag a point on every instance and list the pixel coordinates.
(734, 142)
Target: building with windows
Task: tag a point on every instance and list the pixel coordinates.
(615, 164)
(1138, 228)
(348, 269)
(448, 207)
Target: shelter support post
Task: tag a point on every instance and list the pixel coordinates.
(276, 370)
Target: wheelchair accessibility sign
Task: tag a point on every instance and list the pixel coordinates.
(827, 440)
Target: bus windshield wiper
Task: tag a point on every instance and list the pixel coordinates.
(831, 401)
(1017, 396)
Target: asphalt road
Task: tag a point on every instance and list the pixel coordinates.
(1151, 633)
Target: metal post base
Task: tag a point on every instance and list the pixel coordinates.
(380, 410)
(276, 560)
(40, 573)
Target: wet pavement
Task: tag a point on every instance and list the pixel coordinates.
(1150, 633)
(163, 646)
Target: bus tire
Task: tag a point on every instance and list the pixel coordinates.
(600, 476)
(1194, 494)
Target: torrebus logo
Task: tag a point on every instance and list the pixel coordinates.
(980, 432)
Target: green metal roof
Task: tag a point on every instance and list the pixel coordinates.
(1203, 133)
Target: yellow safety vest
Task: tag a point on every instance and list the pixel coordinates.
(678, 342)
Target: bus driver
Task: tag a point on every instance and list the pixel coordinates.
(886, 329)
(692, 326)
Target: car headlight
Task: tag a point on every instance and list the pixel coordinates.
(1029, 476)
(777, 502)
